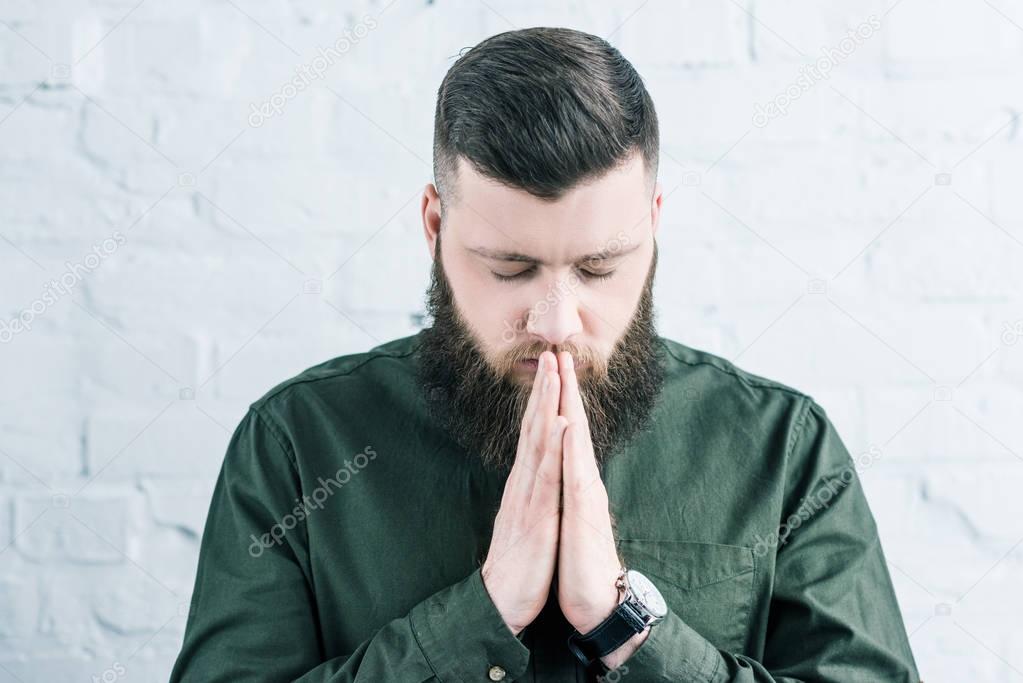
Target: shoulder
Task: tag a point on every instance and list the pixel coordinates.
(709, 370)
(788, 429)
(732, 399)
(352, 375)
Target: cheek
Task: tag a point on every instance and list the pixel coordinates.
(602, 326)
(610, 307)
(505, 324)
(490, 310)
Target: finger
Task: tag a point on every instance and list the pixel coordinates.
(546, 406)
(543, 422)
(547, 487)
(543, 363)
(580, 466)
(530, 453)
(571, 401)
(513, 484)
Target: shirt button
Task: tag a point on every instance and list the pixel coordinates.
(496, 673)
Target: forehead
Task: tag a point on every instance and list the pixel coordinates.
(490, 215)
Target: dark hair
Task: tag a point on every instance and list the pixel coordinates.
(542, 110)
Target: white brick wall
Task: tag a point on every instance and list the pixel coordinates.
(825, 249)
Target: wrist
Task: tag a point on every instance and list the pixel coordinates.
(612, 641)
(587, 624)
(512, 619)
(618, 657)
(514, 623)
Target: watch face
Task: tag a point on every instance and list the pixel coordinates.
(646, 593)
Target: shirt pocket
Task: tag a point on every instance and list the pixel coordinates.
(710, 586)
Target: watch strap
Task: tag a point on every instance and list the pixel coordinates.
(621, 625)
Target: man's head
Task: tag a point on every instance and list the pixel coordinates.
(542, 110)
(545, 162)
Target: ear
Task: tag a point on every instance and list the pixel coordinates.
(429, 207)
(655, 207)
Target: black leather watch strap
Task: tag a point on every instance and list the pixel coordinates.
(607, 636)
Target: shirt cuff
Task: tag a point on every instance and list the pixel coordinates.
(672, 652)
(463, 636)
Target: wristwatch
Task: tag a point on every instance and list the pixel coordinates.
(640, 605)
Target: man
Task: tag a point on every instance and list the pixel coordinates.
(537, 487)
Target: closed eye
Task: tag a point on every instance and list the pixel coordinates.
(596, 276)
(521, 275)
(525, 274)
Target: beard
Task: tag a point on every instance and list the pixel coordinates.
(479, 403)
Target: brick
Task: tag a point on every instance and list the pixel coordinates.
(171, 439)
(19, 607)
(62, 527)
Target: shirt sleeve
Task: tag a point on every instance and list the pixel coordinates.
(833, 615)
(253, 615)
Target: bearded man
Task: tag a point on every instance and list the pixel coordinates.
(548, 490)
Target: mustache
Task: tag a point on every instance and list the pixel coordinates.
(580, 355)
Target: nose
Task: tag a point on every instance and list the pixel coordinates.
(554, 317)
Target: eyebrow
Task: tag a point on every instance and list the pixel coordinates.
(501, 255)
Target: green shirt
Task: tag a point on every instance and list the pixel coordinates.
(346, 534)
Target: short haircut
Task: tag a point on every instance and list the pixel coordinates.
(542, 110)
